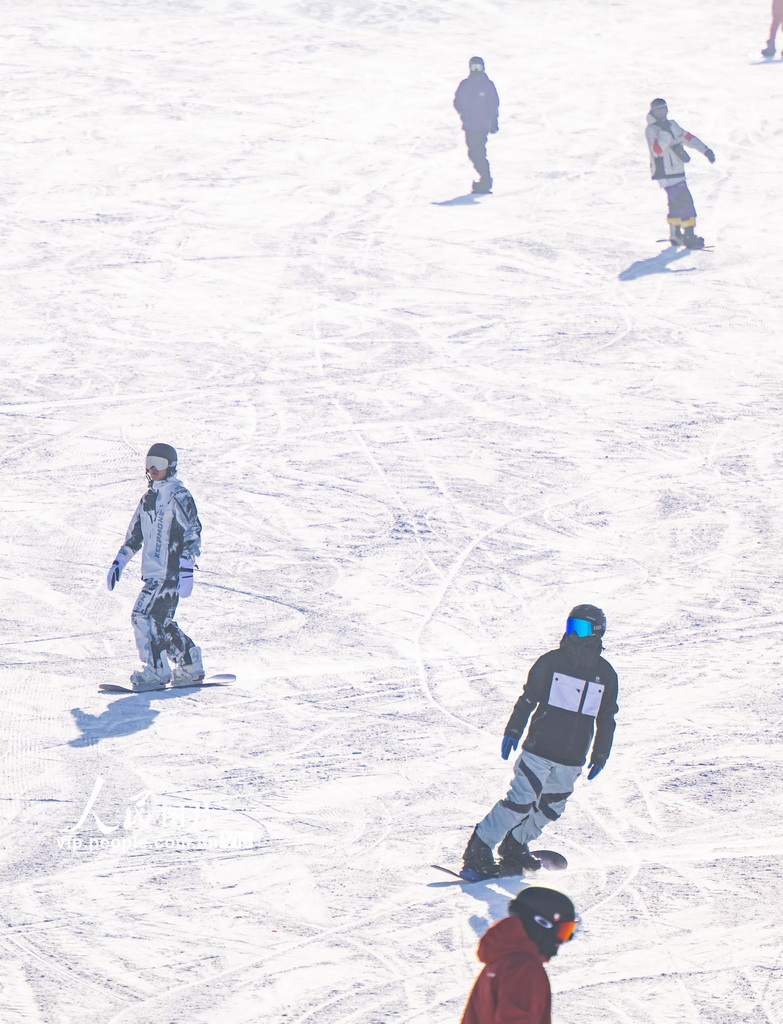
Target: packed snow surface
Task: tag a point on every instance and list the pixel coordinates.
(419, 427)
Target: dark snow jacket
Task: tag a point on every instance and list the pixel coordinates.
(476, 101)
(513, 988)
(574, 693)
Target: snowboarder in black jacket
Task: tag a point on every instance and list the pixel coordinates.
(476, 102)
(572, 695)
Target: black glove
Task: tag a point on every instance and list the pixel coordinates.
(679, 149)
(494, 129)
(593, 769)
(710, 155)
(509, 744)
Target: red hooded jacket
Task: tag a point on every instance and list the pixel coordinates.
(513, 988)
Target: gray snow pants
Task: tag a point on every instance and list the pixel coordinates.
(154, 627)
(537, 796)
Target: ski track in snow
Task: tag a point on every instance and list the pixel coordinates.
(419, 426)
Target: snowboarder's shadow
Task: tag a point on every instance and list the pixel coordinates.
(471, 199)
(496, 894)
(122, 717)
(657, 265)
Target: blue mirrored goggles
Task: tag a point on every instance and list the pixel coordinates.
(579, 626)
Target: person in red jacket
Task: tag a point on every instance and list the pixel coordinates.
(514, 987)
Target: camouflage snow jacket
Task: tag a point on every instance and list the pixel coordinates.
(166, 527)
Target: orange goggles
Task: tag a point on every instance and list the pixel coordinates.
(565, 930)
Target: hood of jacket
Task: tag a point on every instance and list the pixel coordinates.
(664, 125)
(584, 651)
(166, 485)
(505, 937)
(159, 487)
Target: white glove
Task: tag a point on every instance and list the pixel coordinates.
(186, 566)
(117, 566)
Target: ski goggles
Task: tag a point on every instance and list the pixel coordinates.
(579, 626)
(475, 66)
(564, 930)
(157, 462)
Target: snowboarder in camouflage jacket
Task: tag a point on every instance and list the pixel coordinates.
(166, 528)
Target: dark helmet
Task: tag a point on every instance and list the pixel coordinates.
(476, 60)
(587, 613)
(549, 917)
(659, 108)
(159, 452)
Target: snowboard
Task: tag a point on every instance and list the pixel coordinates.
(550, 861)
(221, 679)
(679, 245)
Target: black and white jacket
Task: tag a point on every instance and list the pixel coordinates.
(166, 527)
(572, 694)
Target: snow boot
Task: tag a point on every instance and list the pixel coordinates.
(769, 49)
(482, 187)
(477, 859)
(691, 240)
(516, 858)
(676, 236)
(188, 675)
(149, 678)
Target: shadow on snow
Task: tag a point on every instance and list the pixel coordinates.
(123, 717)
(471, 199)
(494, 893)
(656, 265)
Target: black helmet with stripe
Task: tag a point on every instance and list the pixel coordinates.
(587, 613)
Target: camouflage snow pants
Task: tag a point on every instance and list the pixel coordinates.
(154, 627)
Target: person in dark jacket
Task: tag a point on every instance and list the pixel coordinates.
(514, 988)
(476, 102)
(572, 696)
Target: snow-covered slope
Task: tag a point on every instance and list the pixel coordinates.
(419, 427)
